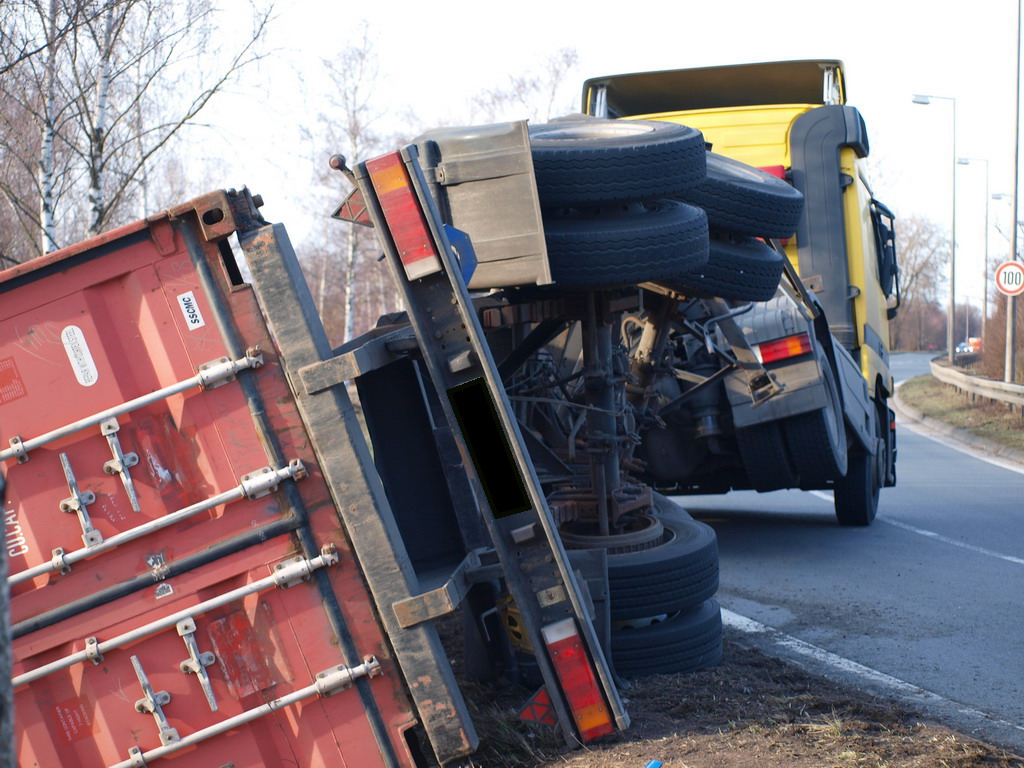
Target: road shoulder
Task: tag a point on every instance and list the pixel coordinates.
(821, 663)
(909, 413)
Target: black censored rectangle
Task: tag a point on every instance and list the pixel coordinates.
(489, 448)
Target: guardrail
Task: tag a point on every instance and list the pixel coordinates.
(1013, 394)
(966, 359)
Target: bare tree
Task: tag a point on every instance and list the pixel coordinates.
(34, 114)
(143, 55)
(923, 255)
(993, 362)
(19, 43)
(355, 71)
(103, 98)
(350, 288)
(349, 127)
(538, 94)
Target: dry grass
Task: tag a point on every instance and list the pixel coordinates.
(994, 421)
(751, 711)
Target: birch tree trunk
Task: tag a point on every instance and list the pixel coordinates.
(351, 252)
(47, 222)
(321, 289)
(97, 141)
(37, 49)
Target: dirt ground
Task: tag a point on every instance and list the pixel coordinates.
(750, 711)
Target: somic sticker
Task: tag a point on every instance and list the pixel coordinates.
(79, 355)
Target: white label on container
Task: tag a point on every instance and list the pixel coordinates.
(190, 309)
(163, 590)
(78, 353)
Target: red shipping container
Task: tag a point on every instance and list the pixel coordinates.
(182, 588)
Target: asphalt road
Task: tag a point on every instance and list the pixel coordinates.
(931, 594)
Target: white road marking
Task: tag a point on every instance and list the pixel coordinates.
(933, 535)
(954, 542)
(958, 445)
(849, 667)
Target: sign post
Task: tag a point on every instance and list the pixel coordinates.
(1010, 281)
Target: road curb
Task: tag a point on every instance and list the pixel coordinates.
(748, 633)
(910, 413)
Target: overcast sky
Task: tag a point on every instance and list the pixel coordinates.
(434, 57)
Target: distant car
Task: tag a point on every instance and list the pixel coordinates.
(963, 348)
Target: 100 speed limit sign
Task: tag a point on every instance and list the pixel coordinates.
(1010, 278)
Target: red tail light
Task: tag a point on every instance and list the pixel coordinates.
(781, 349)
(405, 218)
(579, 684)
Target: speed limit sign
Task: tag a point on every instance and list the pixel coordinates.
(1010, 278)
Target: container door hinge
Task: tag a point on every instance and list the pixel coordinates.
(18, 449)
(222, 371)
(120, 464)
(78, 502)
(92, 650)
(264, 481)
(59, 563)
(152, 703)
(290, 572)
(197, 661)
(135, 758)
(330, 681)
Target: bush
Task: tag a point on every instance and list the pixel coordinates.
(993, 359)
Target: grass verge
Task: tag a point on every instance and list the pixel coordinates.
(994, 421)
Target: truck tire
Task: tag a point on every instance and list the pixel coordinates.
(591, 161)
(739, 268)
(684, 642)
(745, 199)
(766, 458)
(625, 244)
(857, 494)
(817, 440)
(674, 576)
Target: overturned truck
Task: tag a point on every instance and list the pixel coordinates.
(222, 559)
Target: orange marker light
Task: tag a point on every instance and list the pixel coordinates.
(781, 349)
(405, 218)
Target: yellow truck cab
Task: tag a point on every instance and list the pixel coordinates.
(791, 119)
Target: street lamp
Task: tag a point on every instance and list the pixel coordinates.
(1009, 368)
(984, 270)
(924, 98)
(1004, 196)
